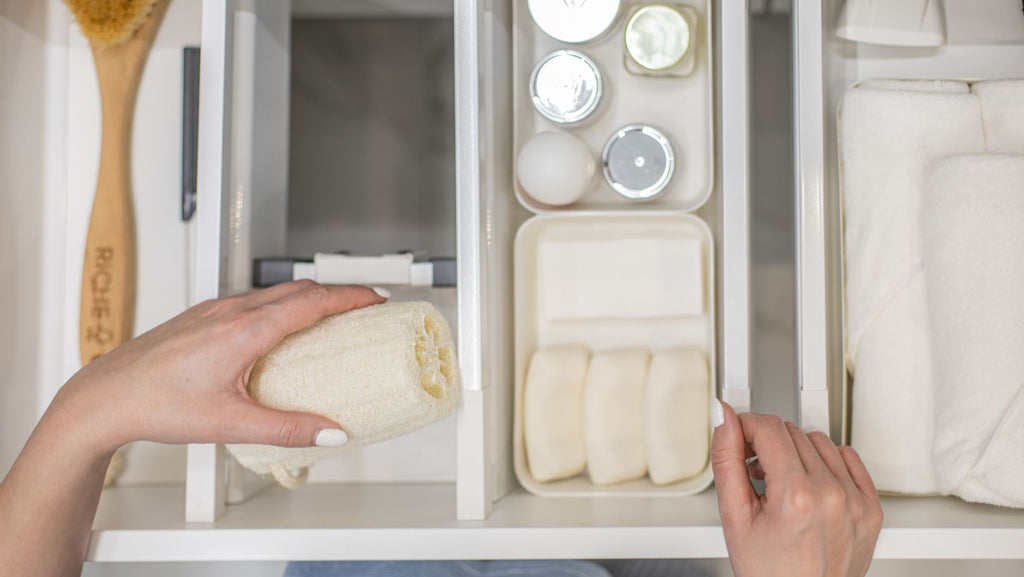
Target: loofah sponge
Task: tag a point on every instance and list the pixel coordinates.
(380, 372)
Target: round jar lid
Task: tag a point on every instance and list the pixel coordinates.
(574, 21)
(657, 37)
(566, 87)
(638, 162)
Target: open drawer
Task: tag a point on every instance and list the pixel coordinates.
(249, 207)
(982, 42)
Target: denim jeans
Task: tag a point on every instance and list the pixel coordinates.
(446, 569)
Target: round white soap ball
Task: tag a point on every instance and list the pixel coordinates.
(556, 168)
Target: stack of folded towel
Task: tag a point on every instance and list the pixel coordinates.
(934, 254)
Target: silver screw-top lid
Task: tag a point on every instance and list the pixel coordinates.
(566, 87)
(638, 162)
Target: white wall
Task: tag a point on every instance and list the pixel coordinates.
(162, 240)
(30, 183)
(49, 150)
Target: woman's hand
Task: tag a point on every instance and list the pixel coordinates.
(185, 380)
(820, 514)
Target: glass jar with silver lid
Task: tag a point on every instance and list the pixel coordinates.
(658, 37)
(566, 87)
(574, 21)
(638, 162)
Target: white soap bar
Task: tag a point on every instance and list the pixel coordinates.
(613, 416)
(553, 412)
(676, 423)
(621, 279)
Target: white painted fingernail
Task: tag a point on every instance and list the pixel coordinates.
(331, 438)
(382, 292)
(717, 413)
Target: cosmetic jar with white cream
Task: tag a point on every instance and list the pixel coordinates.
(657, 37)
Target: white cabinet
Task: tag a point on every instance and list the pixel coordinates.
(243, 190)
(479, 511)
(984, 40)
(825, 66)
(449, 491)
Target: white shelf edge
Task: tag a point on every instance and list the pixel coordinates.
(205, 462)
(924, 543)
(734, 38)
(372, 9)
(406, 522)
(409, 544)
(811, 265)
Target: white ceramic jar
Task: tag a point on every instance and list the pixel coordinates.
(574, 21)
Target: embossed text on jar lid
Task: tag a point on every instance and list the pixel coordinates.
(574, 21)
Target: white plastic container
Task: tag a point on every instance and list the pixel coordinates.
(537, 325)
(681, 107)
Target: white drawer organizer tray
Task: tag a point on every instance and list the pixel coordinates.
(635, 248)
(679, 106)
(549, 303)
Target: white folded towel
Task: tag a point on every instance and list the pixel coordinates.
(888, 139)
(974, 257)
(1002, 110)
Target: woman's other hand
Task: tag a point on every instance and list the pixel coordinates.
(820, 514)
(185, 380)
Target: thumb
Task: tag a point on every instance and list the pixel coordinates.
(260, 425)
(736, 496)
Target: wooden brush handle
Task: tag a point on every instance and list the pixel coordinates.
(108, 275)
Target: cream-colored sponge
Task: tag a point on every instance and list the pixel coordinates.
(552, 412)
(613, 416)
(379, 372)
(676, 427)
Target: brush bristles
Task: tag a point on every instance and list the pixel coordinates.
(110, 22)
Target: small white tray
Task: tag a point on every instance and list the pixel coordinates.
(681, 107)
(534, 330)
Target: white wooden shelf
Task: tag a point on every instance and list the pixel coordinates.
(348, 522)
